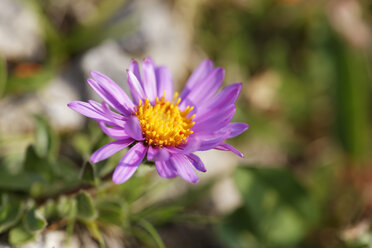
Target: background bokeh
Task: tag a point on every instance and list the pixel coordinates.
(305, 181)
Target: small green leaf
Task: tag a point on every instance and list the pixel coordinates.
(150, 229)
(88, 173)
(95, 232)
(37, 164)
(19, 236)
(33, 221)
(65, 206)
(85, 207)
(20, 182)
(10, 214)
(46, 139)
(110, 211)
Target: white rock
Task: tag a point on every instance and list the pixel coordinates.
(226, 196)
(109, 59)
(20, 33)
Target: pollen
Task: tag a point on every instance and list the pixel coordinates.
(164, 124)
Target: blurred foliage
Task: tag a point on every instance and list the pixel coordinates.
(307, 86)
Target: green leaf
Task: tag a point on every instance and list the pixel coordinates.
(19, 236)
(85, 207)
(46, 139)
(150, 230)
(21, 182)
(65, 207)
(10, 214)
(95, 232)
(110, 211)
(39, 165)
(33, 221)
(280, 209)
(88, 174)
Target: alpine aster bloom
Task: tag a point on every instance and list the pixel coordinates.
(164, 125)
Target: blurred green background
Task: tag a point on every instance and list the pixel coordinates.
(305, 181)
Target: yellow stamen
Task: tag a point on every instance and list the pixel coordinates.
(164, 124)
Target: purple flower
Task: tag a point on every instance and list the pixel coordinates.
(167, 127)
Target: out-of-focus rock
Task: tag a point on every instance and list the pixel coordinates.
(54, 98)
(346, 18)
(17, 111)
(20, 33)
(109, 59)
(226, 196)
(262, 91)
(153, 36)
(168, 41)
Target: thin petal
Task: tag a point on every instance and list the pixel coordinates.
(134, 68)
(111, 115)
(196, 162)
(110, 149)
(236, 128)
(111, 93)
(210, 143)
(149, 79)
(99, 107)
(165, 169)
(184, 168)
(204, 90)
(115, 133)
(133, 128)
(215, 122)
(129, 163)
(228, 147)
(225, 97)
(197, 77)
(135, 87)
(157, 154)
(164, 82)
(89, 111)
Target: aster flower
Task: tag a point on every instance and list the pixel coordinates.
(165, 126)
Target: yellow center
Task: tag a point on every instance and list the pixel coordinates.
(164, 124)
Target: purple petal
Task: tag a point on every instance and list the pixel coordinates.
(196, 162)
(115, 133)
(197, 77)
(228, 147)
(129, 163)
(157, 154)
(110, 115)
(110, 149)
(165, 169)
(226, 97)
(133, 128)
(204, 90)
(184, 168)
(134, 68)
(111, 93)
(236, 128)
(99, 107)
(149, 79)
(215, 122)
(135, 87)
(89, 111)
(192, 145)
(210, 143)
(165, 82)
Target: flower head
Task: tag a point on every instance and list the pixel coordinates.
(161, 124)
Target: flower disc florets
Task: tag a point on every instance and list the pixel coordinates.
(164, 124)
